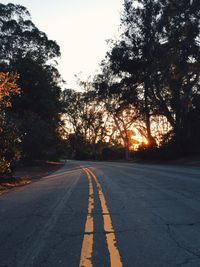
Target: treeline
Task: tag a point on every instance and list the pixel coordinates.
(30, 91)
(145, 100)
(147, 95)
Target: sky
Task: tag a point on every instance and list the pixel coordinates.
(80, 27)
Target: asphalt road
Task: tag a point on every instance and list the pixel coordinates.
(104, 214)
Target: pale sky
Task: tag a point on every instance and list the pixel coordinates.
(80, 27)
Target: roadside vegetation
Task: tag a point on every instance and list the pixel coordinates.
(30, 92)
(143, 103)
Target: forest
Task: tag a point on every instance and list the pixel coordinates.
(144, 103)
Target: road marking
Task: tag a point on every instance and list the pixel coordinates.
(115, 258)
(87, 245)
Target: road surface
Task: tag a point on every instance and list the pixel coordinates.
(101, 214)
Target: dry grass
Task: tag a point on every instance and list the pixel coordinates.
(25, 174)
(9, 183)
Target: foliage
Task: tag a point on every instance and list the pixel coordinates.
(37, 112)
(9, 140)
(87, 118)
(8, 87)
(19, 37)
(122, 114)
(113, 153)
(132, 58)
(10, 152)
(154, 66)
(179, 27)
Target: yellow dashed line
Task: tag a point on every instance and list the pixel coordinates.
(115, 258)
(87, 245)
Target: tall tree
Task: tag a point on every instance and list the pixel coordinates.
(158, 57)
(27, 51)
(38, 109)
(121, 113)
(178, 87)
(20, 37)
(133, 57)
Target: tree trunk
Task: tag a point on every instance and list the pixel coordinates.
(151, 140)
(127, 151)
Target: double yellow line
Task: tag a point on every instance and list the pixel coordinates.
(87, 245)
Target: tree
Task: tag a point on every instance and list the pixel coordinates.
(9, 141)
(27, 51)
(86, 118)
(133, 57)
(178, 87)
(113, 93)
(157, 58)
(38, 109)
(19, 37)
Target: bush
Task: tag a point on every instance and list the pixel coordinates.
(10, 152)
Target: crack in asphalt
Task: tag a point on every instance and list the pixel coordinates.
(183, 224)
(181, 246)
(186, 261)
(178, 243)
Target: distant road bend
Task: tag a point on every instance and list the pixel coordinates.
(101, 214)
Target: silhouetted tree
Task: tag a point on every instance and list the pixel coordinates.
(122, 115)
(157, 60)
(38, 109)
(133, 57)
(87, 119)
(19, 37)
(27, 51)
(179, 65)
